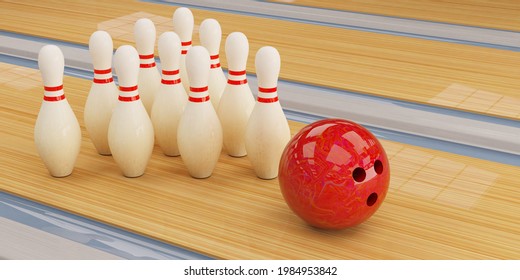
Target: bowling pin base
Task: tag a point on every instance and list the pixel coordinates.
(267, 177)
(61, 175)
(201, 175)
(172, 154)
(133, 175)
(237, 155)
(235, 150)
(266, 174)
(104, 151)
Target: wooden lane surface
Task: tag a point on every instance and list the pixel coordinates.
(491, 14)
(468, 78)
(439, 206)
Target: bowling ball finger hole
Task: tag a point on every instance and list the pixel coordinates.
(378, 167)
(372, 199)
(359, 174)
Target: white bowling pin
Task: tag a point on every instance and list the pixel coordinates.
(210, 35)
(267, 131)
(183, 25)
(199, 134)
(170, 100)
(237, 100)
(149, 76)
(130, 132)
(57, 134)
(102, 97)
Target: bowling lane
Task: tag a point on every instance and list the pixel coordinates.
(496, 14)
(29, 230)
(456, 132)
(430, 30)
(439, 206)
(459, 77)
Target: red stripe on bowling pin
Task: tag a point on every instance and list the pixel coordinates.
(54, 98)
(126, 89)
(200, 89)
(185, 44)
(170, 72)
(267, 90)
(215, 65)
(147, 56)
(147, 65)
(128, 98)
(60, 87)
(199, 99)
(170, 82)
(103, 71)
(103, 81)
(267, 100)
(237, 73)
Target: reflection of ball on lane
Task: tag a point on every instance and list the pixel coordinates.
(334, 174)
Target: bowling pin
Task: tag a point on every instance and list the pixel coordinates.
(149, 76)
(57, 134)
(199, 134)
(183, 25)
(102, 97)
(210, 35)
(170, 100)
(130, 132)
(267, 131)
(237, 100)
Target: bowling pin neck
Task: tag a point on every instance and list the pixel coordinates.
(185, 46)
(54, 93)
(128, 94)
(146, 60)
(214, 61)
(199, 94)
(267, 95)
(170, 77)
(237, 77)
(103, 76)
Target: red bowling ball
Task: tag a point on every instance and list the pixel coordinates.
(334, 174)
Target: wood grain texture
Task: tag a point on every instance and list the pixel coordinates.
(439, 206)
(502, 14)
(395, 67)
